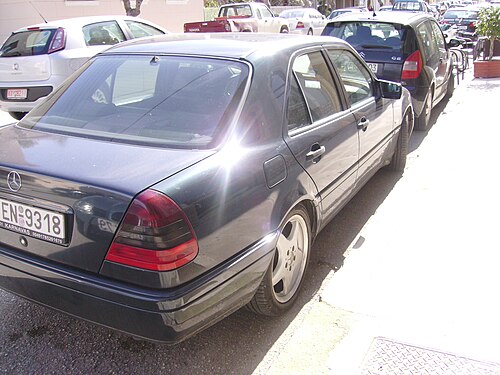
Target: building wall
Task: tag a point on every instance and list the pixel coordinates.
(170, 14)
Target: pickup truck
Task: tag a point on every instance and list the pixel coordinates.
(246, 17)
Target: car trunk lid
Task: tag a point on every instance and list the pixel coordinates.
(24, 56)
(386, 64)
(65, 209)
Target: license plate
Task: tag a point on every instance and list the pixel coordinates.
(462, 27)
(373, 67)
(32, 221)
(17, 93)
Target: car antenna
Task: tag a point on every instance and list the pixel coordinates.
(40, 14)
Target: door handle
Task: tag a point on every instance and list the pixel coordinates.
(363, 123)
(316, 152)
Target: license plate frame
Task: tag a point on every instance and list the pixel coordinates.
(35, 222)
(17, 94)
(373, 67)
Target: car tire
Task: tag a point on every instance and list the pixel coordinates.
(398, 161)
(422, 121)
(280, 286)
(310, 32)
(284, 30)
(451, 86)
(18, 115)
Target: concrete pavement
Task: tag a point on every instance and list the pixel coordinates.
(417, 293)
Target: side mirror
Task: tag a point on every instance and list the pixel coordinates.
(390, 90)
(454, 43)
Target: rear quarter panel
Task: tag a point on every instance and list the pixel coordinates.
(230, 199)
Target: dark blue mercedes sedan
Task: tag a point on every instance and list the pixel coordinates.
(173, 180)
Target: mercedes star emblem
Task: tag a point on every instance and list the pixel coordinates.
(14, 181)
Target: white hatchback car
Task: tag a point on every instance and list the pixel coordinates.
(304, 21)
(35, 60)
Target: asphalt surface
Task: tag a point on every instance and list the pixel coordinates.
(36, 340)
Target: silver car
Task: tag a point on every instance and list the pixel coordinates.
(304, 21)
(36, 59)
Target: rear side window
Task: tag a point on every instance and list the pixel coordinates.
(139, 29)
(369, 35)
(429, 46)
(297, 112)
(27, 43)
(103, 33)
(159, 100)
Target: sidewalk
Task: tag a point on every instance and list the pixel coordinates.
(417, 293)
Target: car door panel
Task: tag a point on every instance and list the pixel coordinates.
(373, 115)
(321, 134)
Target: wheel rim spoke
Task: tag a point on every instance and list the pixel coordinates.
(292, 249)
(279, 271)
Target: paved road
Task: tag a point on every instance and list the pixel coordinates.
(338, 299)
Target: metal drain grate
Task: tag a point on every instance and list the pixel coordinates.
(386, 357)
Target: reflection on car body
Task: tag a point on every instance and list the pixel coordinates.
(180, 207)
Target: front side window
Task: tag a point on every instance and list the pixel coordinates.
(265, 12)
(158, 100)
(356, 79)
(317, 84)
(103, 33)
(139, 29)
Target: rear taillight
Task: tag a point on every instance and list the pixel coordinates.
(154, 235)
(412, 66)
(300, 25)
(471, 25)
(58, 41)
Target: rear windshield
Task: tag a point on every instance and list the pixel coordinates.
(292, 14)
(458, 13)
(369, 35)
(158, 100)
(235, 10)
(27, 43)
(407, 5)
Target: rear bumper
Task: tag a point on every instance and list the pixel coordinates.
(36, 94)
(168, 316)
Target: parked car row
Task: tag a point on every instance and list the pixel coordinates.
(174, 179)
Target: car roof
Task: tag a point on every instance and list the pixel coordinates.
(404, 18)
(81, 21)
(248, 46)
